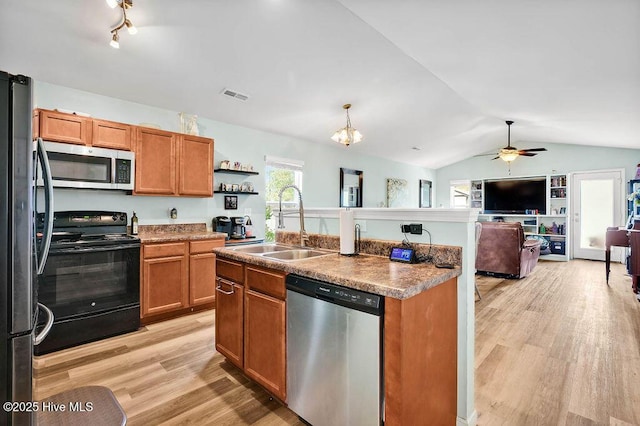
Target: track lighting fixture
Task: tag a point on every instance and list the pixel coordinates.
(115, 37)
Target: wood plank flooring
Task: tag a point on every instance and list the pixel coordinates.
(558, 347)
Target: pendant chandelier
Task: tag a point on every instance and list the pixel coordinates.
(347, 135)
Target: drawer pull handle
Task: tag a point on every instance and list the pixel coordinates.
(219, 287)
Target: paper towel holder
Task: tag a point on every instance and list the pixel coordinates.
(356, 242)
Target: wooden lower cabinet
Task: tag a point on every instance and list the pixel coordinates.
(177, 277)
(166, 285)
(260, 350)
(230, 320)
(264, 342)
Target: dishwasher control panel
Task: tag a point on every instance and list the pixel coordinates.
(348, 295)
(337, 294)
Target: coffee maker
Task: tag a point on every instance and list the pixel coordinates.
(222, 224)
(238, 230)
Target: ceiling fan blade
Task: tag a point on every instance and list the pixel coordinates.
(484, 155)
(533, 150)
(527, 154)
(496, 158)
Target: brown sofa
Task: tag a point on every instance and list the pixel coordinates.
(502, 249)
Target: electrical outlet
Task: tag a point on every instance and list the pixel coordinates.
(415, 228)
(363, 225)
(247, 211)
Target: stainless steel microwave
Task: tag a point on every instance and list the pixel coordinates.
(77, 166)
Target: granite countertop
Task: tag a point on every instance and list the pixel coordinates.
(167, 237)
(177, 232)
(371, 273)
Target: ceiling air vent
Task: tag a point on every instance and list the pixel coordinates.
(234, 94)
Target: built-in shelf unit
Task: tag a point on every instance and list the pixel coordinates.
(554, 226)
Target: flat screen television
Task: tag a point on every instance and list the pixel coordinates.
(515, 196)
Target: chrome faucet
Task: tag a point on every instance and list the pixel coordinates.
(303, 234)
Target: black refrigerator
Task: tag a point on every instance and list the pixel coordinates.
(22, 253)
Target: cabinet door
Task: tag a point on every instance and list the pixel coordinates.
(155, 162)
(202, 278)
(164, 285)
(61, 127)
(109, 134)
(265, 346)
(229, 320)
(196, 166)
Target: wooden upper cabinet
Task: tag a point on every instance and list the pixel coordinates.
(155, 162)
(109, 134)
(195, 166)
(62, 127)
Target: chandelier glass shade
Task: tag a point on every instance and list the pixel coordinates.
(347, 135)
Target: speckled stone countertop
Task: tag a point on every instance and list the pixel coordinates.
(180, 232)
(367, 272)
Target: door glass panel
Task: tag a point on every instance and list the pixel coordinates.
(596, 212)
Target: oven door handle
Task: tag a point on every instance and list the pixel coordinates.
(48, 208)
(95, 249)
(38, 338)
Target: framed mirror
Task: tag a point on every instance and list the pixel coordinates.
(425, 193)
(350, 187)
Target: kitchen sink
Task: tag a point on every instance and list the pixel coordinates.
(263, 248)
(282, 252)
(296, 254)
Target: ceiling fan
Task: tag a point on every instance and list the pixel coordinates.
(510, 153)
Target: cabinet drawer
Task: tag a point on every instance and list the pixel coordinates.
(205, 246)
(266, 281)
(164, 250)
(230, 270)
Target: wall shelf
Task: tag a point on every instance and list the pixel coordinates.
(236, 172)
(236, 192)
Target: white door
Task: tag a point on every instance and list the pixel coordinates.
(596, 204)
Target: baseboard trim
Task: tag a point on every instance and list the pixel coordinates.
(471, 421)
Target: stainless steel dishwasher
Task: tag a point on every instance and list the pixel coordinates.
(334, 353)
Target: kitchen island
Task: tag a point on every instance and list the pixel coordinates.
(419, 370)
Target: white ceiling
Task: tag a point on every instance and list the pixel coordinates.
(435, 74)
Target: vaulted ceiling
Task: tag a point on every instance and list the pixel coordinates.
(440, 76)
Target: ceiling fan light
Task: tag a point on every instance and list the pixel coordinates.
(508, 155)
(112, 3)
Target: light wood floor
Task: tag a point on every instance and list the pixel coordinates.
(558, 347)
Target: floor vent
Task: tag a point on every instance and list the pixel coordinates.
(234, 94)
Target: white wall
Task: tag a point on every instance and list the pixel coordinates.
(321, 170)
(559, 158)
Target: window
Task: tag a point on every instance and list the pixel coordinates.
(280, 172)
(459, 193)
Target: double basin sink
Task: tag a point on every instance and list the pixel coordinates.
(282, 252)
